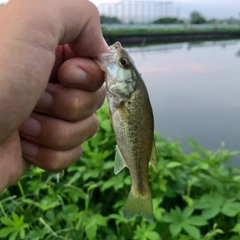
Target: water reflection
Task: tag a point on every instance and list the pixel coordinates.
(238, 53)
(188, 45)
(194, 89)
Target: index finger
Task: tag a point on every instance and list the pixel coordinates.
(58, 22)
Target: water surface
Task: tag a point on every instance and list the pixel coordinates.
(195, 91)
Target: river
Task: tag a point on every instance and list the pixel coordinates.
(195, 91)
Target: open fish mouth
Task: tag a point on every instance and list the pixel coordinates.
(104, 59)
(116, 47)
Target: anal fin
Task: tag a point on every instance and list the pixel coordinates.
(119, 162)
(153, 159)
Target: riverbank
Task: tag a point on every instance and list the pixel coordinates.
(151, 36)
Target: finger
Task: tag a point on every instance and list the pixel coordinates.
(63, 53)
(13, 165)
(69, 104)
(59, 22)
(81, 73)
(49, 159)
(32, 39)
(57, 134)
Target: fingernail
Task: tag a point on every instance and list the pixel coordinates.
(45, 101)
(105, 43)
(29, 150)
(31, 127)
(80, 76)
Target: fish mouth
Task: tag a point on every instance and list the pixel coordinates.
(116, 47)
(104, 59)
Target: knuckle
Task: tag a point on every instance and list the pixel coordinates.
(93, 126)
(84, 104)
(58, 163)
(101, 97)
(62, 138)
(75, 109)
(55, 167)
(62, 160)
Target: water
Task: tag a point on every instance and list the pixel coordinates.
(195, 91)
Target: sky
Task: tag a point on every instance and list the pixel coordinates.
(208, 8)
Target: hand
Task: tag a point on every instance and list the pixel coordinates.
(46, 49)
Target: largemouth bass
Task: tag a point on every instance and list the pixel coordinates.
(133, 124)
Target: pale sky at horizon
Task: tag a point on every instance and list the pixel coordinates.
(208, 8)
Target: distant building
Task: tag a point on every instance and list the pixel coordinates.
(136, 11)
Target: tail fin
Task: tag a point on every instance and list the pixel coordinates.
(139, 206)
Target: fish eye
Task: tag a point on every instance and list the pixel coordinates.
(124, 62)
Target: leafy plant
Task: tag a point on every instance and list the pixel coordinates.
(184, 220)
(195, 196)
(14, 226)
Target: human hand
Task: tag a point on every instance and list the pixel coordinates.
(30, 56)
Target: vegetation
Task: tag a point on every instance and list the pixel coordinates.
(194, 197)
(109, 20)
(168, 20)
(131, 31)
(197, 18)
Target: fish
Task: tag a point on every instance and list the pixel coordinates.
(133, 123)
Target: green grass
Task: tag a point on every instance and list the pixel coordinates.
(194, 196)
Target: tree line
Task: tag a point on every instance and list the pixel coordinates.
(195, 18)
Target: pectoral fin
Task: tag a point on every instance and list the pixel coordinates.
(153, 159)
(119, 162)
